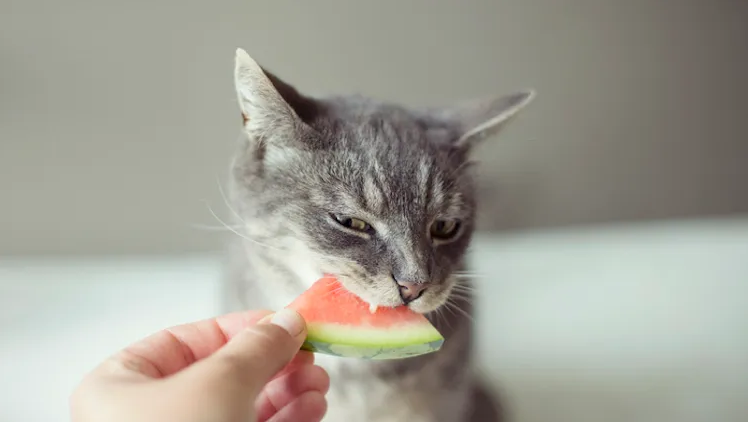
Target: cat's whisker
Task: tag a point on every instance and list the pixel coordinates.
(456, 307)
(457, 288)
(208, 228)
(469, 273)
(211, 228)
(239, 217)
(231, 229)
(461, 291)
(461, 286)
(439, 316)
(462, 297)
(448, 307)
(463, 281)
(444, 317)
(227, 203)
(463, 312)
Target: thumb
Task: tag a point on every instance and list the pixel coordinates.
(252, 357)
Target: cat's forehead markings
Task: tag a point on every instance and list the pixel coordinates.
(424, 171)
(380, 174)
(437, 195)
(373, 196)
(436, 187)
(455, 204)
(350, 201)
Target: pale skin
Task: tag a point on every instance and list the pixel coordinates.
(240, 367)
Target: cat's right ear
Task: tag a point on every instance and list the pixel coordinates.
(476, 120)
(266, 116)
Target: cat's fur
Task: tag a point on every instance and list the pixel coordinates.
(300, 162)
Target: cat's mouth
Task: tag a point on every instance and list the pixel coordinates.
(390, 294)
(373, 293)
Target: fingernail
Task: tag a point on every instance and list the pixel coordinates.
(289, 320)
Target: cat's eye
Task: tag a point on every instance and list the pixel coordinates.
(444, 229)
(353, 223)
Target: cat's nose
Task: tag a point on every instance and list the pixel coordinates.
(410, 291)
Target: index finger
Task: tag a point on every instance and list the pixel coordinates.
(173, 349)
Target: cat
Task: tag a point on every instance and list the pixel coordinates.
(383, 197)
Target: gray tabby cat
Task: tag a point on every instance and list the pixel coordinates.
(379, 195)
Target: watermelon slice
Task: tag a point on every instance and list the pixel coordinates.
(340, 323)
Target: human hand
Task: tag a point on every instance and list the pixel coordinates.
(241, 367)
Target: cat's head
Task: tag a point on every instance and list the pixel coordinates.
(379, 195)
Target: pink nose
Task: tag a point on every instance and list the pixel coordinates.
(410, 291)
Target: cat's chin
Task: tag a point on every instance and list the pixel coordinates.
(422, 308)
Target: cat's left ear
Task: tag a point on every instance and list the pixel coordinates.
(265, 112)
(479, 119)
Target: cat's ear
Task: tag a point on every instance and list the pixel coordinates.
(264, 111)
(479, 119)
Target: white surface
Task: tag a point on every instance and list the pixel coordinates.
(643, 323)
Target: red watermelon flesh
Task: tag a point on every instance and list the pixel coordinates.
(342, 324)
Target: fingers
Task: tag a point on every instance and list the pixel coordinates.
(171, 350)
(220, 364)
(254, 355)
(285, 389)
(309, 407)
(301, 359)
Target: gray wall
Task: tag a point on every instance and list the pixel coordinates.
(117, 118)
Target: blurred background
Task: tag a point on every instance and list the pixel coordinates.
(614, 223)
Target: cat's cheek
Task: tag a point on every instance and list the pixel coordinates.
(304, 265)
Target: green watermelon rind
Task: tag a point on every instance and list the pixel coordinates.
(372, 352)
(396, 335)
(373, 343)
